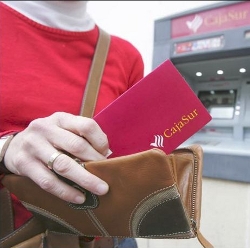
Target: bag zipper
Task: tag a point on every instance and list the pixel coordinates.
(192, 217)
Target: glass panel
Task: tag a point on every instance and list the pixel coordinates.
(219, 103)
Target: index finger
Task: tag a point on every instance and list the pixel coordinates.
(87, 128)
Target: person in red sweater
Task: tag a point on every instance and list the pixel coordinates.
(46, 52)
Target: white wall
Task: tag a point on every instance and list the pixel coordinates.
(134, 20)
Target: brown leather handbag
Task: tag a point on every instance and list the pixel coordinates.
(152, 195)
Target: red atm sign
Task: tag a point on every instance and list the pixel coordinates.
(227, 17)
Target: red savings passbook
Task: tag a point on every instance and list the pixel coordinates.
(161, 110)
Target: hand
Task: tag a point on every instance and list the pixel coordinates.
(30, 150)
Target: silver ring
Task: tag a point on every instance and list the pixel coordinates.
(52, 159)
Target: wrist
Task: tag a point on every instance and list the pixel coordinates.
(4, 144)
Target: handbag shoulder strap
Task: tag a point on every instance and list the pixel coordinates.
(95, 75)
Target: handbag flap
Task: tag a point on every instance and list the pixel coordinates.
(143, 199)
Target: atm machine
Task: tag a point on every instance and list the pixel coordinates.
(210, 46)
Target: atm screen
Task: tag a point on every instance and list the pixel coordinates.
(219, 103)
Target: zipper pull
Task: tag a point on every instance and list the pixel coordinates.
(194, 226)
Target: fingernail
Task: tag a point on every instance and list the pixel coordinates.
(102, 188)
(108, 153)
(80, 199)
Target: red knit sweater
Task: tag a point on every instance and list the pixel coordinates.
(44, 70)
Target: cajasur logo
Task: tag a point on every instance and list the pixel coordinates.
(175, 128)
